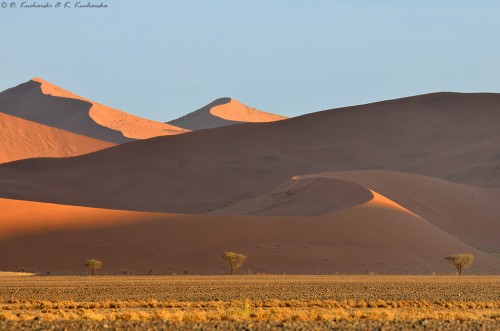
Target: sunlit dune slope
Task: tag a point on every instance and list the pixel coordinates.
(223, 112)
(21, 139)
(376, 236)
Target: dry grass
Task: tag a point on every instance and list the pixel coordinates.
(248, 310)
(209, 301)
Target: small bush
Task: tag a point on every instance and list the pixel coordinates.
(93, 265)
(460, 261)
(235, 261)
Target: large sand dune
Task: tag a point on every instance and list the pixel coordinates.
(40, 101)
(22, 139)
(223, 112)
(472, 214)
(446, 135)
(377, 236)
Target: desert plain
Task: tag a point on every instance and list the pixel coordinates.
(251, 302)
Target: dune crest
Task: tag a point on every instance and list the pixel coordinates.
(129, 125)
(383, 202)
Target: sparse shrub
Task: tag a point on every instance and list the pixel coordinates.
(235, 261)
(93, 265)
(460, 261)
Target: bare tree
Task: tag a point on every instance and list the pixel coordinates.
(235, 261)
(93, 265)
(460, 261)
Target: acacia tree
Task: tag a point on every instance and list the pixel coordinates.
(93, 265)
(235, 261)
(460, 261)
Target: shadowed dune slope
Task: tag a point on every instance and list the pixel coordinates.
(40, 101)
(471, 214)
(28, 102)
(223, 112)
(22, 139)
(446, 135)
(377, 236)
(304, 197)
(129, 125)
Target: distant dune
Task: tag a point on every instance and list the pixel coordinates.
(377, 236)
(22, 139)
(449, 136)
(42, 102)
(223, 112)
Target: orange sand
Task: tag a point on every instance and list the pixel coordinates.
(22, 139)
(238, 112)
(365, 238)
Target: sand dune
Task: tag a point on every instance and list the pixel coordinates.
(471, 214)
(22, 139)
(376, 236)
(42, 102)
(252, 181)
(223, 112)
(446, 135)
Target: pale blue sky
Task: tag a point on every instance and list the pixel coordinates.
(161, 59)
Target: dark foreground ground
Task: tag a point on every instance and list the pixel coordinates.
(250, 303)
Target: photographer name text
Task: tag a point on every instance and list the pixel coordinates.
(54, 5)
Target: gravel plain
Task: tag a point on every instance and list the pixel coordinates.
(256, 302)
